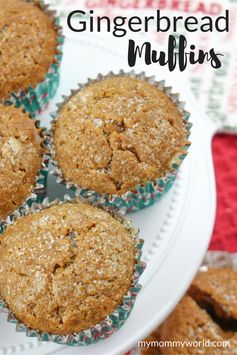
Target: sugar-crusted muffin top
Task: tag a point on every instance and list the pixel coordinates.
(118, 133)
(28, 43)
(66, 268)
(217, 288)
(190, 323)
(20, 157)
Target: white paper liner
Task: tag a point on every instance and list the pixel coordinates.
(219, 259)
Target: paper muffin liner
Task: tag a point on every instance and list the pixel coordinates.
(113, 321)
(141, 196)
(38, 192)
(34, 99)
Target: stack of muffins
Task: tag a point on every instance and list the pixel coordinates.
(69, 270)
(205, 320)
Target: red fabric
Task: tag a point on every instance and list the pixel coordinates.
(225, 162)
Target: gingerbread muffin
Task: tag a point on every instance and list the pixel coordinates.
(118, 133)
(20, 157)
(28, 44)
(206, 313)
(216, 290)
(67, 267)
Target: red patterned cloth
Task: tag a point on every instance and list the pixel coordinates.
(225, 162)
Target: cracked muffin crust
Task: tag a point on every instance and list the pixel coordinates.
(20, 157)
(217, 291)
(192, 323)
(65, 268)
(118, 133)
(198, 317)
(28, 43)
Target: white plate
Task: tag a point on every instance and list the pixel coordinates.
(176, 230)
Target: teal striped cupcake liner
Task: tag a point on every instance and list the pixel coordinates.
(113, 321)
(141, 196)
(40, 187)
(35, 99)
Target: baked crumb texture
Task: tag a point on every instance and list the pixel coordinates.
(66, 268)
(117, 134)
(20, 157)
(207, 312)
(28, 45)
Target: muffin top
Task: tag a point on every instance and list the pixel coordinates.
(66, 268)
(20, 157)
(217, 289)
(207, 311)
(117, 133)
(189, 322)
(27, 45)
